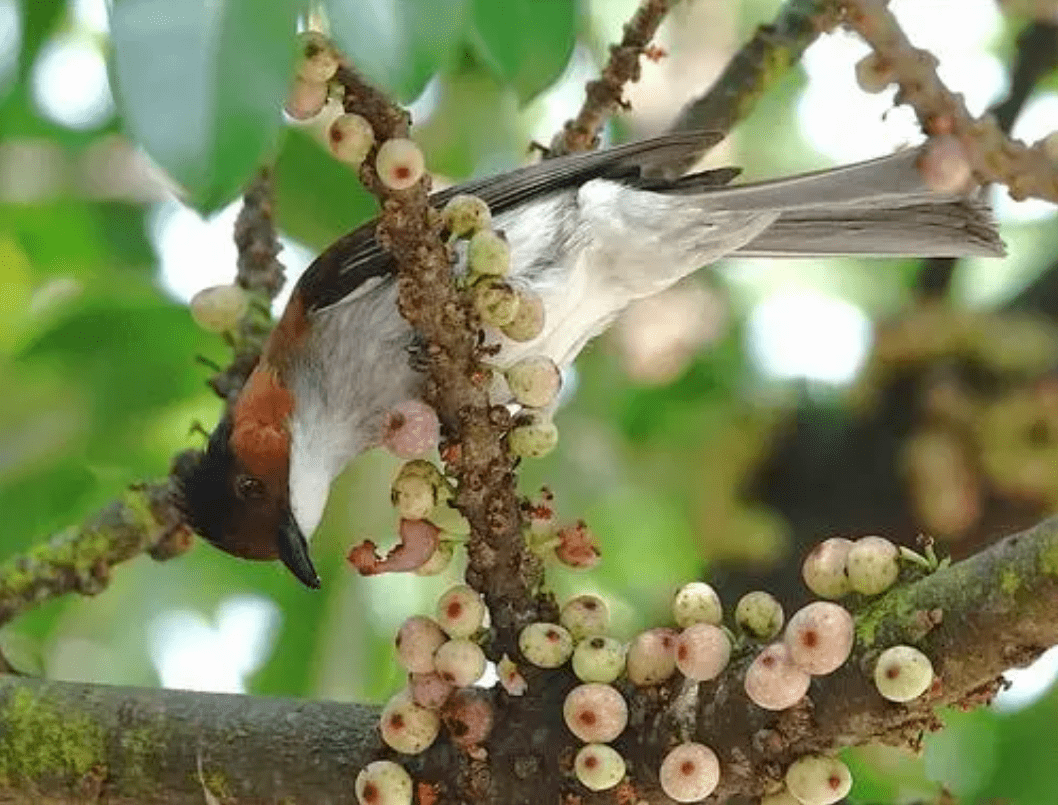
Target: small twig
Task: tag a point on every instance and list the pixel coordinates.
(604, 96)
(258, 272)
(1025, 170)
(79, 560)
(1036, 56)
(457, 386)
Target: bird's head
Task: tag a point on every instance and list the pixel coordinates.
(237, 493)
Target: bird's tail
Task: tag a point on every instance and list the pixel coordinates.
(937, 229)
(880, 207)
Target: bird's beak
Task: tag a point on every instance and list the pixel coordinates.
(294, 551)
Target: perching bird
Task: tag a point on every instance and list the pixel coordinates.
(589, 233)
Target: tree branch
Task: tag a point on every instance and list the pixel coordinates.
(757, 66)
(1035, 57)
(79, 560)
(259, 272)
(604, 95)
(77, 743)
(499, 564)
(1026, 171)
(73, 743)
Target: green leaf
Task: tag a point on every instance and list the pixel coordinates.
(399, 44)
(39, 18)
(526, 43)
(318, 199)
(201, 86)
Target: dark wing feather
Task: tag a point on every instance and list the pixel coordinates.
(355, 258)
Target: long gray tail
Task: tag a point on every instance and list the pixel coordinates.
(939, 229)
(877, 208)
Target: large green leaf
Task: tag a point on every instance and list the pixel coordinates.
(201, 86)
(398, 44)
(526, 43)
(318, 199)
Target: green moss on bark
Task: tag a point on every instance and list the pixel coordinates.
(39, 741)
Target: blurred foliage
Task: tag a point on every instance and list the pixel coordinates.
(102, 386)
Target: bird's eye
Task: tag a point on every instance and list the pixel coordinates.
(248, 487)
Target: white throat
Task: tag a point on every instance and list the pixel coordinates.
(310, 485)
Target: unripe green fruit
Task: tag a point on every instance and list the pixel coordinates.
(534, 439)
(872, 565)
(534, 381)
(413, 496)
(489, 254)
(219, 309)
(495, 301)
(528, 322)
(545, 645)
(465, 214)
(696, 602)
(598, 659)
(759, 615)
(319, 61)
(585, 616)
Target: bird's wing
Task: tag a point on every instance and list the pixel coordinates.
(356, 257)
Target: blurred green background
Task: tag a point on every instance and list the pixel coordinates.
(109, 115)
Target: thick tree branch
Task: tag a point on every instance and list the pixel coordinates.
(974, 620)
(71, 743)
(74, 743)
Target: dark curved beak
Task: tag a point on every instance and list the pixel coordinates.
(294, 551)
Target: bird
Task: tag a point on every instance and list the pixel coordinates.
(589, 233)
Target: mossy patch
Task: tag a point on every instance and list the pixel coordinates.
(1009, 581)
(40, 741)
(1049, 558)
(889, 610)
(139, 749)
